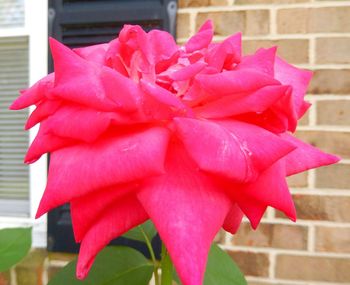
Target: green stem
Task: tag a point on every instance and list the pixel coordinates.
(167, 267)
(153, 257)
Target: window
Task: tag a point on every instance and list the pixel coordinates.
(14, 175)
(11, 13)
(23, 60)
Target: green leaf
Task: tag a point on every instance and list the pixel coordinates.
(221, 269)
(136, 233)
(115, 265)
(15, 244)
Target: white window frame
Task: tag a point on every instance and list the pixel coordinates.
(36, 29)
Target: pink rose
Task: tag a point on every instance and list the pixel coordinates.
(191, 137)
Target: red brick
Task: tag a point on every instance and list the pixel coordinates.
(312, 20)
(334, 176)
(292, 50)
(272, 235)
(250, 22)
(333, 239)
(251, 264)
(247, 2)
(333, 50)
(219, 2)
(5, 278)
(183, 26)
(272, 283)
(30, 270)
(333, 112)
(333, 142)
(298, 180)
(322, 207)
(330, 81)
(305, 118)
(325, 269)
(192, 3)
(220, 237)
(201, 3)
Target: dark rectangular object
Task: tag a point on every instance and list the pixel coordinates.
(79, 23)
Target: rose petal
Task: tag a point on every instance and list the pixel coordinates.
(131, 38)
(215, 86)
(263, 61)
(188, 72)
(225, 54)
(121, 90)
(157, 53)
(113, 58)
(253, 209)
(305, 156)
(42, 111)
(77, 79)
(83, 168)
(278, 118)
(298, 78)
(202, 39)
(282, 114)
(233, 219)
(233, 149)
(114, 221)
(185, 202)
(78, 122)
(45, 143)
(34, 94)
(95, 53)
(270, 189)
(164, 97)
(257, 102)
(83, 217)
(264, 148)
(219, 152)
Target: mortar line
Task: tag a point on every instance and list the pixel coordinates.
(327, 128)
(192, 24)
(13, 276)
(270, 213)
(266, 6)
(327, 97)
(280, 251)
(311, 238)
(304, 223)
(279, 281)
(281, 36)
(272, 265)
(322, 192)
(45, 274)
(313, 113)
(273, 22)
(312, 50)
(228, 238)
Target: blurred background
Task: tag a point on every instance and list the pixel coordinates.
(312, 34)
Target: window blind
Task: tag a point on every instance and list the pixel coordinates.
(14, 174)
(11, 13)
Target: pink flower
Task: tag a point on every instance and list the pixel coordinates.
(192, 137)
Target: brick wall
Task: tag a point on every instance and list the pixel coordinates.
(315, 35)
